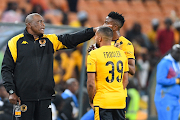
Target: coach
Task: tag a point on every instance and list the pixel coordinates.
(27, 68)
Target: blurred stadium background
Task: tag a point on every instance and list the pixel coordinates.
(66, 16)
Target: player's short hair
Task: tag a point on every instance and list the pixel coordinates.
(118, 17)
(106, 31)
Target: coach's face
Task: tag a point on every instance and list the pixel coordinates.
(37, 25)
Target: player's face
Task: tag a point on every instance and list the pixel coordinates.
(109, 21)
(37, 25)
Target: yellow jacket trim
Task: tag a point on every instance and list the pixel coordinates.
(13, 46)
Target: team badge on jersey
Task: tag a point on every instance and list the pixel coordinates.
(42, 42)
(23, 108)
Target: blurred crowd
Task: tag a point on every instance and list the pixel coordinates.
(149, 47)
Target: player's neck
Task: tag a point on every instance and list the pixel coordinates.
(116, 35)
(105, 44)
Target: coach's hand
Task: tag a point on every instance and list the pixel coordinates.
(13, 99)
(96, 28)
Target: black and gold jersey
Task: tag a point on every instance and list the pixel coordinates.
(109, 63)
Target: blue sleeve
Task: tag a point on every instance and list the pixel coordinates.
(89, 115)
(162, 72)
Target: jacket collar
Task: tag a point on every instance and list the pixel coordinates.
(27, 35)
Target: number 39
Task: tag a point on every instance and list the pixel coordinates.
(112, 71)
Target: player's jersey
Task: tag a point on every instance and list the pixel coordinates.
(124, 45)
(109, 63)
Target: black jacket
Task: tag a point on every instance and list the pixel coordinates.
(27, 66)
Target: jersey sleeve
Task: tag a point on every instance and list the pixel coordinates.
(91, 62)
(129, 50)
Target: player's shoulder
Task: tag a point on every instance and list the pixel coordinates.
(93, 51)
(125, 41)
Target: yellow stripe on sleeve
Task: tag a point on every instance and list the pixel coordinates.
(56, 43)
(13, 46)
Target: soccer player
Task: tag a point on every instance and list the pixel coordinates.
(116, 21)
(107, 78)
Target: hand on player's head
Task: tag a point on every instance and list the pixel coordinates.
(96, 28)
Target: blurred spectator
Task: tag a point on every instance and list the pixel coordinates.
(37, 8)
(72, 103)
(42, 3)
(5, 105)
(143, 67)
(134, 100)
(153, 33)
(54, 111)
(177, 32)
(53, 16)
(59, 104)
(135, 35)
(1, 59)
(83, 18)
(72, 5)
(12, 14)
(73, 20)
(168, 86)
(165, 37)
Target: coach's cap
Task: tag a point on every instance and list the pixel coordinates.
(155, 22)
(176, 46)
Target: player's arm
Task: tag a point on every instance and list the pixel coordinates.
(91, 73)
(129, 51)
(91, 88)
(131, 64)
(125, 76)
(125, 80)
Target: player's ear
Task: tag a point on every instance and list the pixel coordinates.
(115, 27)
(100, 39)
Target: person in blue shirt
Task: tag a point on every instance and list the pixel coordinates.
(167, 94)
(69, 95)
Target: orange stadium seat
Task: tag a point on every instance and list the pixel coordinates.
(167, 7)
